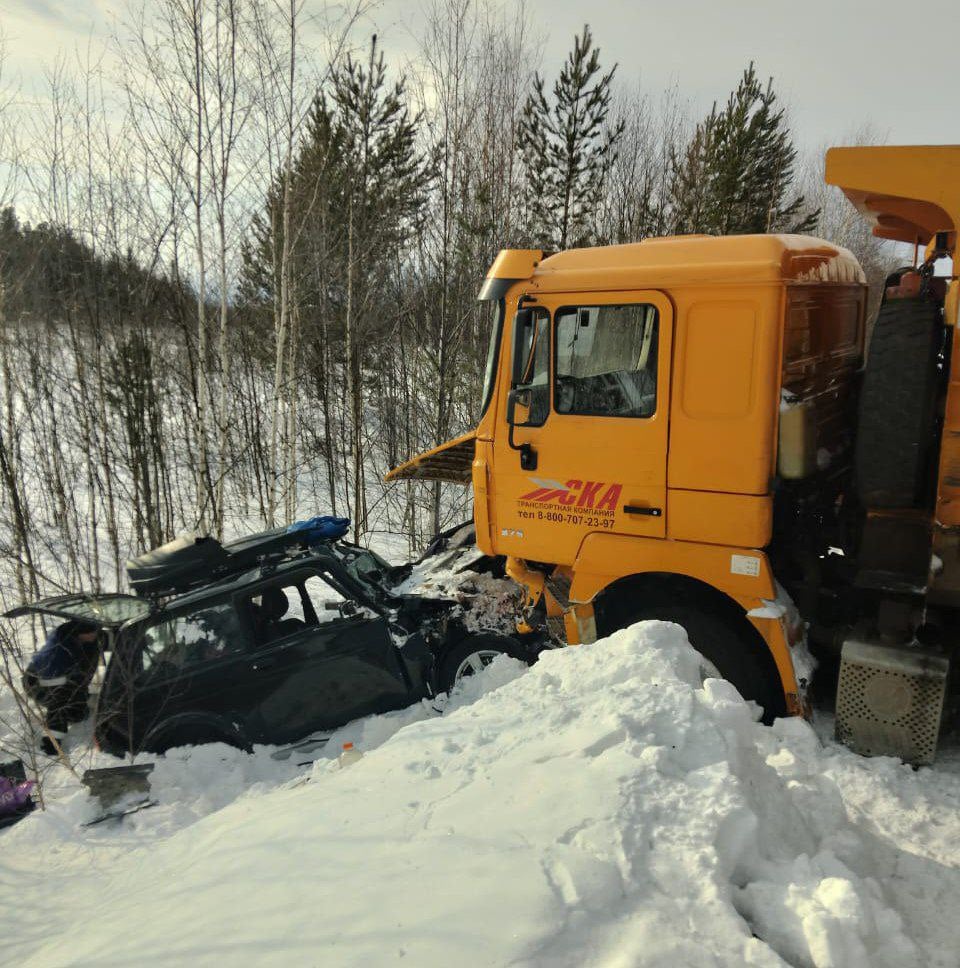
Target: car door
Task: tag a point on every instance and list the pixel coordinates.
(588, 451)
(328, 660)
(192, 663)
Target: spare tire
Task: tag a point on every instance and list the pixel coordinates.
(896, 432)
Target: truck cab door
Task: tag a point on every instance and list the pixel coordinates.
(582, 441)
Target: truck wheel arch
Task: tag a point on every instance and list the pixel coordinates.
(664, 586)
(646, 591)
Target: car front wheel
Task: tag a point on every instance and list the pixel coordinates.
(473, 654)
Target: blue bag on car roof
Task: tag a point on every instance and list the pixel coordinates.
(323, 528)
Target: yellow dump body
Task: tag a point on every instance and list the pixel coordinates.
(451, 462)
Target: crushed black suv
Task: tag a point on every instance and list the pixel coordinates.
(268, 639)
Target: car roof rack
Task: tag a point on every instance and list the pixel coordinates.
(191, 561)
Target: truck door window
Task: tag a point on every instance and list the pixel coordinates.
(535, 372)
(606, 362)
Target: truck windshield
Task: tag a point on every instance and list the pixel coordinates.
(493, 353)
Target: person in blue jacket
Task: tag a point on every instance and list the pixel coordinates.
(58, 678)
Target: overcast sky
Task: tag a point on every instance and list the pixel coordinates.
(837, 63)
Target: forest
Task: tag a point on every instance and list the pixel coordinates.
(240, 252)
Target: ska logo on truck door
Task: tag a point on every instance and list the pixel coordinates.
(589, 503)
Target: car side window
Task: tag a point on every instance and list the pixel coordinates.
(280, 610)
(295, 610)
(186, 640)
(277, 611)
(606, 363)
(327, 600)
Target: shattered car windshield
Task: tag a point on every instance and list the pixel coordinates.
(367, 568)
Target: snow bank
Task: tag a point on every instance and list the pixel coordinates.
(602, 809)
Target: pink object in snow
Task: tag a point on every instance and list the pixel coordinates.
(14, 796)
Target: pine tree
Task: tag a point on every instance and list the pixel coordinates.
(359, 186)
(567, 149)
(359, 166)
(736, 174)
(693, 180)
(385, 180)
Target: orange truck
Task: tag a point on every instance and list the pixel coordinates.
(687, 429)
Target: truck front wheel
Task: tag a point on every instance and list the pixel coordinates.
(738, 655)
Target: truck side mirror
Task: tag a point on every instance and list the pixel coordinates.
(522, 340)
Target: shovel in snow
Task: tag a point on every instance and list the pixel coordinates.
(121, 790)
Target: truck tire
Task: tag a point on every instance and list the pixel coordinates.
(738, 654)
(895, 429)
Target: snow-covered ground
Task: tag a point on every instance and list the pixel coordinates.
(603, 808)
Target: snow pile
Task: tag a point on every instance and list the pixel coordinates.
(602, 809)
